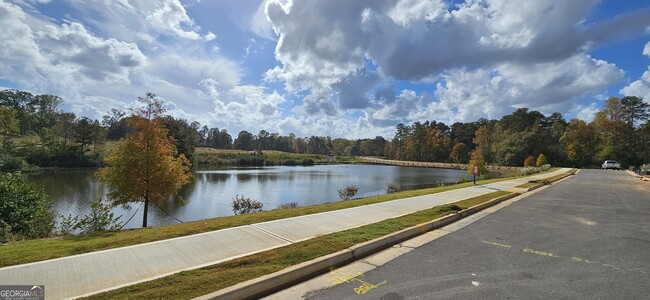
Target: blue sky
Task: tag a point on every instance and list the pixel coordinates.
(342, 68)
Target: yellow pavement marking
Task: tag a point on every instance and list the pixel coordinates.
(337, 277)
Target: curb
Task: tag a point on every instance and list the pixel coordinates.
(549, 182)
(637, 176)
(273, 282)
(278, 280)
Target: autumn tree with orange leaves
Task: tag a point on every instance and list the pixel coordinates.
(145, 165)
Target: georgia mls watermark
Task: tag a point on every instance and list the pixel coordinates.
(22, 292)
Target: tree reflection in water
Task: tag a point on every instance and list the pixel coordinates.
(211, 192)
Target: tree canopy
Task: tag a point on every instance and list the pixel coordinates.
(618, 131)
(145, 165)
(24, 209)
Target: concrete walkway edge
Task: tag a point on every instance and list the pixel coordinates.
(270, 283)
(100, 271)
(267, 284)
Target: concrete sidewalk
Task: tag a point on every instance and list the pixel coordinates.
(89, 273)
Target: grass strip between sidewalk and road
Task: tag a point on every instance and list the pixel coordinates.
(528, 184)
(22, 252)
(547, 180)
(194, 283)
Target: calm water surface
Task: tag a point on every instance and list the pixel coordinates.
(210, 194)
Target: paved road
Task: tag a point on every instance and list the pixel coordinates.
(89, 273)
(586, 238)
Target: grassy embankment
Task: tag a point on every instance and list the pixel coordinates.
(212, 278)
(37, 250)
(222, 157)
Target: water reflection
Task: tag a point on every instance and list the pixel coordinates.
(242, 177)
(211, 192)
(212, 177)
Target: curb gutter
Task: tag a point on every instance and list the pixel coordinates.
(549, 182)
(270, 283)
(635, 175)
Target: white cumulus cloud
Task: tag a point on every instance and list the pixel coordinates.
(94, 73)
(493, 54)
(640, 87)
(65, 56)
(171, 17)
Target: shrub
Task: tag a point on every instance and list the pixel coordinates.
(392, 188)
(100, 218)
(5, 232)
(241, 205)
(529, 162)
(24, 209)
(59, 155)
(289, 162)
(288, 205)
(307, 162)
(67, 224)
(541, 160)
(529, 170)
(271, 162)
(348, 192)
(533, 170)
(463, 178)
(9, 163)
(251, 160)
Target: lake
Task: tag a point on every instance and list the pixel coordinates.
(211, 192)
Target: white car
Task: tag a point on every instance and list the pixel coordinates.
(611, 164)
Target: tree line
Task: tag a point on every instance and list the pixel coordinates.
(149, 161)
(144, 166)
(34, 129)
(619, 131)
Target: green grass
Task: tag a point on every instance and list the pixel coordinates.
(527, 184)
(36, 250)
(348, 160)
(547, 180)
(21, 252)
(287, 155)
(185, 285)
(204, 156)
